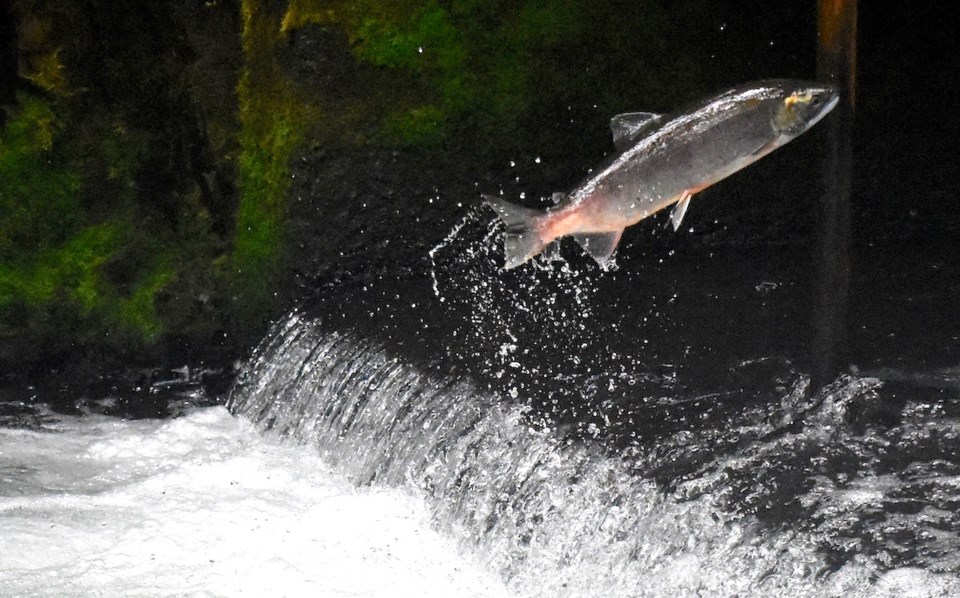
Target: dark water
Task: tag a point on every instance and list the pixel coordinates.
(646, 430)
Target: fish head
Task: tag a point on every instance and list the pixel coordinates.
(799, 106)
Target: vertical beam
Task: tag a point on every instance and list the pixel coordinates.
(8, 55)
(836, 63)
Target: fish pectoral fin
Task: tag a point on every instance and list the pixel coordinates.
(600, 246)
(676, 216)
(765, 148)
(630, 126)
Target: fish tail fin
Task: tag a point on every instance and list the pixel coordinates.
(521, 240)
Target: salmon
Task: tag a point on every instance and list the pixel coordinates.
(663, 161)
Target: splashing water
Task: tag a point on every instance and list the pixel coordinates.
(555, 517)
(471, 216)
(520, 325)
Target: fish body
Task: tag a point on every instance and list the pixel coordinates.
(665, 160)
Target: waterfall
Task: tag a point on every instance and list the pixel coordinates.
(552, 517)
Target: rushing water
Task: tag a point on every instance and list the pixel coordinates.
(351, 472)
(552, 431)
(203, 505)
(566, 518)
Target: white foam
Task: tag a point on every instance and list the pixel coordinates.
(205, 506)
(553, 518)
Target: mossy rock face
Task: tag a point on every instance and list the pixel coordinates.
(431, 70)
(318, 60)
(177, 165)
(442, 94)
(39, 201)
(115, 179)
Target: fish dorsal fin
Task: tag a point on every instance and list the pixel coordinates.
(630, 126)
(600, 246)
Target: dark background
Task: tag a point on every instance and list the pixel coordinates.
(366, 214)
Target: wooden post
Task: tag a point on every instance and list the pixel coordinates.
(8, 56)
(836, 63)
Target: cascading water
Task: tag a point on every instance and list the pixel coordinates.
(557, 516)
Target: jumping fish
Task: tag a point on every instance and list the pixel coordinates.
(665, 160)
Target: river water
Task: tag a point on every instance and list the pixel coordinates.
(361, 476)
(549, 431)
(204, 505)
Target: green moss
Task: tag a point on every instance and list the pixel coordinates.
(493, 66)
(48, 72)
(426, 42)
(138, 312)
(39, 205)
(115, 207)
(52, 276)
(80, 262)
(386, 45)
(274, 116)
(73, 276)
(463, 60)
(427, 45)
(33, 128)
(39, 201)
(549, 22)
(423, 126)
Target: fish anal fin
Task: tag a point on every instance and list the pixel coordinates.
(676, 216)
(600, 246)
(630, 126)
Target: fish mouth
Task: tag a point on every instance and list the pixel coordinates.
(824, 111)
